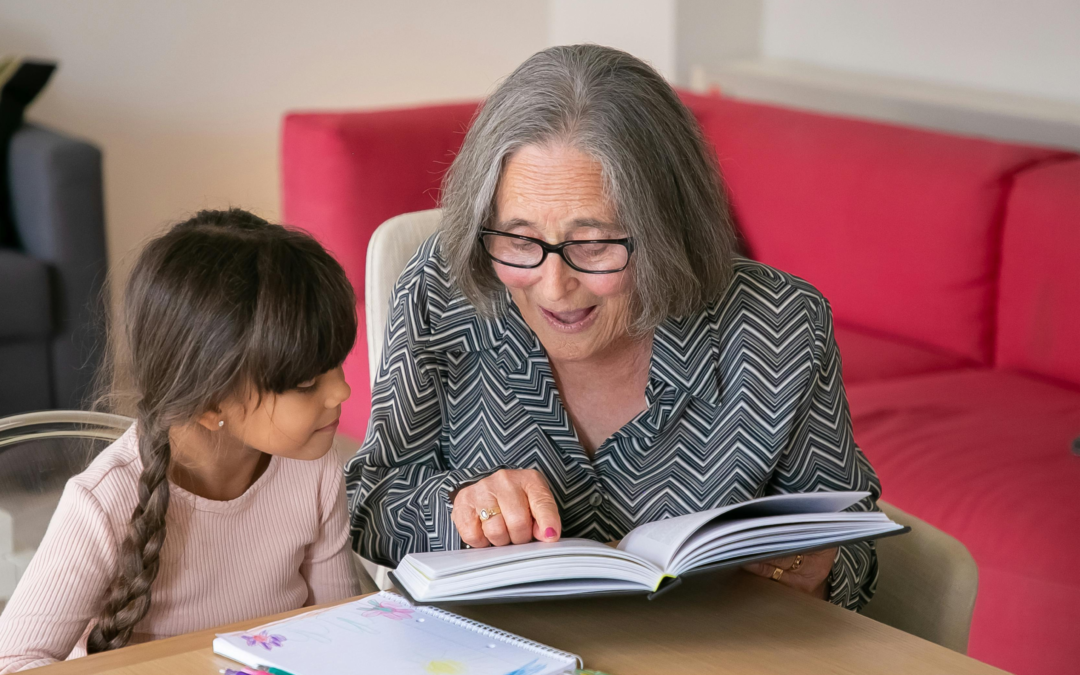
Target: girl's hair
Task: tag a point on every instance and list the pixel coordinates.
(221, 305)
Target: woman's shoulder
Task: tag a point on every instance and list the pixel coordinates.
(437, 313)
(760, 288)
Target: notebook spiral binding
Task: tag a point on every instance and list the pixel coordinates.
(490, 631)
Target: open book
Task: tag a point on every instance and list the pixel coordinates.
(651, 558)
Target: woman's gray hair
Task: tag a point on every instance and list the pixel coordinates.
(659, 173)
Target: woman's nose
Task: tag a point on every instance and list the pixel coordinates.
(556, 278)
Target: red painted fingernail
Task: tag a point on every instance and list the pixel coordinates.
(549, 533)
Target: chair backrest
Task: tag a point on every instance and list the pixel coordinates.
(927, 585)
(392, 245)
(39, 452)
(390, 248)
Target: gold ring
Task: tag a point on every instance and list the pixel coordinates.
(795, 565)
(777, 573)
(488, 513)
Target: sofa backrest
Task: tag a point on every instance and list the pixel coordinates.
(1038, 321)
(344, 174)
(898, 227)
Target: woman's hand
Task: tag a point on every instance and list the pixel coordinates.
(526, 509)
(807, 573)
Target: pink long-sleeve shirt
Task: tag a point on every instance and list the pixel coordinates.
(283, 544)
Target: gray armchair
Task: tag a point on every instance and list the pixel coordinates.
(50, 284)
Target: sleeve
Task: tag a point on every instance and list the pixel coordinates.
(64, 586)
(822, 455)
(398, 482)
(328, 567)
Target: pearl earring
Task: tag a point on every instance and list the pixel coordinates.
(221, 423)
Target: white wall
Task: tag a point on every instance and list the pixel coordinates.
(644, 28)
(186, 97)
(1026, 47)
(712, 32)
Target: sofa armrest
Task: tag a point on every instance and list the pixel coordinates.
(57, 203)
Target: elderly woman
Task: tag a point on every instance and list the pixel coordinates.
(579, 350)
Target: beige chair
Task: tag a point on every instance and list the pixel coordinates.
(928, 579)
(927, 584)
(389, 249)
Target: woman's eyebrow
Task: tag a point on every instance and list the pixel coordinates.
(576, 224)
(596, 225)
(512, 223)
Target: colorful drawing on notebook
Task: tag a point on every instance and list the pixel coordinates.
(267, 641)
(376, 608)
(445, 667)
(534, 666)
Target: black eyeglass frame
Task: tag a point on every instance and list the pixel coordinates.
(626, 242)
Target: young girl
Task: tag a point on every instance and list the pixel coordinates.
(223, 501)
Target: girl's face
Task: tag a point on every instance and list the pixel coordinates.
(298, 424)
(556, 193)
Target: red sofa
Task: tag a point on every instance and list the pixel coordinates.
(952, 268)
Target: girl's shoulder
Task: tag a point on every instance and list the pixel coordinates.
(115, 466)
(107, 489)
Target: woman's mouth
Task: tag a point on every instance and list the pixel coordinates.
(331, 428)
(571, 321)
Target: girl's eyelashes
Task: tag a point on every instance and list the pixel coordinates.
(307, 387)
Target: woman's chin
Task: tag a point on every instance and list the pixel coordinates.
(576, 345)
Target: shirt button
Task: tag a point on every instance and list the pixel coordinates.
(597, 499)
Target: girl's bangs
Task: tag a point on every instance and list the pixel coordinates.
(305, 321)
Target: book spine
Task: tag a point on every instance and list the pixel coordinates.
(495, 633)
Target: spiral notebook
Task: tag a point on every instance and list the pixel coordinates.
(385, 633)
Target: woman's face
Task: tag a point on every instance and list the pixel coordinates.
(556, 193)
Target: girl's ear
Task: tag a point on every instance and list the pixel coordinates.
(212, 420)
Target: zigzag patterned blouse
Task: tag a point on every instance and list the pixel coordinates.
(744, 399)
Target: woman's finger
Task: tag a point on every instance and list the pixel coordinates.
(809, 577)
(760, 568)
(547, 525)
(468, 524)
(495, 530)
(516, 515)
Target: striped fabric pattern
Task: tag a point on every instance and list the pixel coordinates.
(744, 399)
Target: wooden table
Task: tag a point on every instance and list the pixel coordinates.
(725, 623)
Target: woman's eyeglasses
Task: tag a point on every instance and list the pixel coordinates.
(591, 256)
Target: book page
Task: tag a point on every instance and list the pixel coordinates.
(439, 564)
(528, 569)
(660, 541)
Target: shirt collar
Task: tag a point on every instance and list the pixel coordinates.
(685, 354)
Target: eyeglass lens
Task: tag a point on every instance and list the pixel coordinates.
(586, 256)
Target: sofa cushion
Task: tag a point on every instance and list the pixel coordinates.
(985, 456)
(25, 303)
(22, 364)
(868, 356)
(896, 226)
(344, 174)
(1039, 302)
